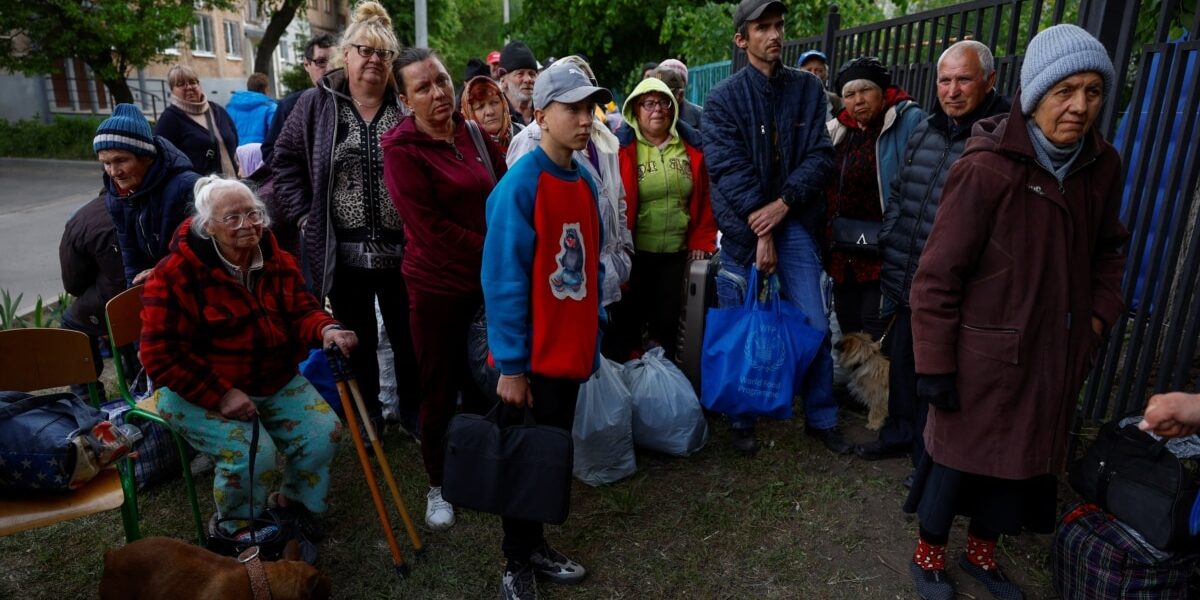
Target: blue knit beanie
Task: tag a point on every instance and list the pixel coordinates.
(127, 129)
(1056, 54)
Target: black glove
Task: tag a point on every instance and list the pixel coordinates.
(939, 391)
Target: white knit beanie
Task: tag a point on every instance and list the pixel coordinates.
(1057, 53)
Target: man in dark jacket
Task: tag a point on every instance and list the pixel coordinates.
(318, 53)
(92, 272)
(769, 156)
(966, 77)
(148, 186)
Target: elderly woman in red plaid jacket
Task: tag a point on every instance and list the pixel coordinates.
(226, 319)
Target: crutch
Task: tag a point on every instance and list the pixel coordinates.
(418, 547)
(341, 374)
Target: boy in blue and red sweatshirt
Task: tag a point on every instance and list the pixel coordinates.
(541, 287)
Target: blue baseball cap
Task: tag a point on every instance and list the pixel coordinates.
(807, 54)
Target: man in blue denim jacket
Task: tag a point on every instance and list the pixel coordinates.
(769, 157)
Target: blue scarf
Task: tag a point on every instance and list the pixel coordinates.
(1056, 159)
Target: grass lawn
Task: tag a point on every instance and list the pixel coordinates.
(793, 522)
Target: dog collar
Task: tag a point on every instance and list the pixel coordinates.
(259, 585)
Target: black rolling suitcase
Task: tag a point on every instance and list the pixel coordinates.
(699, 294)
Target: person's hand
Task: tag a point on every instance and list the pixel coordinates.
(940, 391)
(235, 404)
(142, 277)
(1172, 415)
(514, 390)
(763, 220)
(765, 258)
(696, 254)
(344, 339)
(1097, 326)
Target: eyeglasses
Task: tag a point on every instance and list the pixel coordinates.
(368, 52)
(236, 221)
(653, 105)
(188, 83)
(320, 62)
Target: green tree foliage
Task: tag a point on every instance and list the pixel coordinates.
(295, 78)
(458, 29)
(110, 36)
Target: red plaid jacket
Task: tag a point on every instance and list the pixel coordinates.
(204, 333)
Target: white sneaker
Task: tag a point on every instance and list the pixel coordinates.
(439, 514)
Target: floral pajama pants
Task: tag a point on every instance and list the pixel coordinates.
(295, 421)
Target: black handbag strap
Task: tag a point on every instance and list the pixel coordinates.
(212, 140)
(16, 403)
(481, 148)
(253, 453)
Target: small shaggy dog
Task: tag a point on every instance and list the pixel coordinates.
(868, 367)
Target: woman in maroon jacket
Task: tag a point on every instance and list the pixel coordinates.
(439, 169)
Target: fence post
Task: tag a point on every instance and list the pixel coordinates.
(833, 22)
(1111, 21)
(45, 81)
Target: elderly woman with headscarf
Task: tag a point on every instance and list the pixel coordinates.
(669, 213)
(484, 103)
(226, 319)
(440, 169)
(869, 135)
(328, 165)
(600, 159)
(1020, 278)
(147, 187)
(197, 126)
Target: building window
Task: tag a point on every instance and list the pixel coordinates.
(253, 11)
(202, 35)
(233, 39)
(328, 6)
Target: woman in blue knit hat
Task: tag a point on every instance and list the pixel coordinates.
(148, 183)
(1019, 280)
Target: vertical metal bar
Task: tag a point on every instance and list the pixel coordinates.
(833, 21)
(1099, 389)
(993, 39)
(1014, 27)
(44, 97)
(1060, 9)
(1035, 17)
(1153, 304)
(1164, 20)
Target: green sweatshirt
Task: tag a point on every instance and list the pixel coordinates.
(664, 182)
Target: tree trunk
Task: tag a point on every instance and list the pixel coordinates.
(119, 90)
(280, 19)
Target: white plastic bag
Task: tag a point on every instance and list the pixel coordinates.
(603, 428)
(387, 371)
(667, 416)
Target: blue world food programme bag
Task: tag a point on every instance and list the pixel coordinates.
(316, 370)
(755, 354)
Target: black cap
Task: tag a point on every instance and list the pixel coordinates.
(867, 67)
(751, 10)
(516, 55)
(476, 67)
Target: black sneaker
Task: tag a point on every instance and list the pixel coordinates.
(832, 438)
(743, 441)
(932, 584)
(992, 579)
(299, 515)
(555, 566)
(518, 582)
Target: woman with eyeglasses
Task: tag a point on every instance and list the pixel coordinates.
(199, 127)
(329, 183)
(226, 319)
(669, 212)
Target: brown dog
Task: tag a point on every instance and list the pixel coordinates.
(170, 569)
(869, 368)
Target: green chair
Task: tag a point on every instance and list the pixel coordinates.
(38, 359)
(124, 316)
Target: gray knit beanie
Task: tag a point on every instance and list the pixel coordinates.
(1057, 53)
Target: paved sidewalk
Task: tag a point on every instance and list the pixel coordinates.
(36, 199)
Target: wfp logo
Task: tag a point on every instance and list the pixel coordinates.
(762, 349)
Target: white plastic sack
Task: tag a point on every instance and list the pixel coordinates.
(387, 371)
(667, 416)
(603, 428)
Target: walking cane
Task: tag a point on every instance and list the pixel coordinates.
(341, 374)
(418, 548)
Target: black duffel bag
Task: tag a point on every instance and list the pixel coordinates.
(520, 471)
(1137, 479)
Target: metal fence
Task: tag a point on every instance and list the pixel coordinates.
(67, 93)
(703, 78)
(1153, 348)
